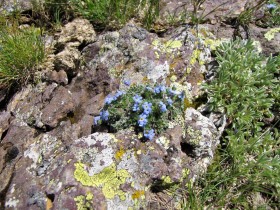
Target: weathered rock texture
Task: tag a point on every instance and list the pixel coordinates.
(104, 171)
(49, 157)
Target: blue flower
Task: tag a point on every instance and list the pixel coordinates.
(157, 89)
(127, 82)
(142, 120)
(118, 94)
(150, 89)
(182, 95)
(271, 6)
(147, 108)
(104, 115)
(173, 92)
(149, 134)
(162, 107)
(109, 99)
(135, 107)
(137, 99)
(96, 120)
(169, 101)
(160, 88)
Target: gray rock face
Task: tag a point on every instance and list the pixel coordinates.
(109, 171)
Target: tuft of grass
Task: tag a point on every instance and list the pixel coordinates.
(248, 160)
(21, 50)
(51, 13)
(247, 16)
(115, 13)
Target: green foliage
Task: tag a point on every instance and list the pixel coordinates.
(21, 50)
(248, 161)
(247, 16)
(115, 13)
(271, 14)
(51, 12)
(142, 107)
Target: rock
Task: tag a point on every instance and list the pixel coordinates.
(9, 6)
(125, 55)
(78, 30)
(60, 105)
(109, 170)
(68, 60)
(59, 163)
(201, 140)
(58, 77)
(4, 122)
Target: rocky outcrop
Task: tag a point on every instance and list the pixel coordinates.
(51, 159)
(110, 171)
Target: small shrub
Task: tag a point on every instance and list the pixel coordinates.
(147, 109)
(248, 161)
(21, 50)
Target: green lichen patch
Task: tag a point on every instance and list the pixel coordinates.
(271, 33)
(109, 179)
(84, 202)
(168, 47)
(195, 136)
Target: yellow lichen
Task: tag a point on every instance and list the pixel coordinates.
(157, 55)
(167, 47)
(89, 196)
(173, 44)
(166, 179)
(109, 179)
(195, 56)
(188, 104)
(271, 33)
(138, 194)
(155, 42)
(119, 154)
(195, 135)
(173, 78)
(163, 141)
(82, 203)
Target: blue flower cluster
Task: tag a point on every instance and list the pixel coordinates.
(109, 99)
(162, 107)
(271, 6)
(147, 108)
(149, 134)
(104, 114)
(137, 100)
(159, 89)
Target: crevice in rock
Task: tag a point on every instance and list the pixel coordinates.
(159, 185)
(8, 94)
(11, 154)
(50, 196)
(4, 192)
(82, 46)
(4, 134)
(188, 149)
